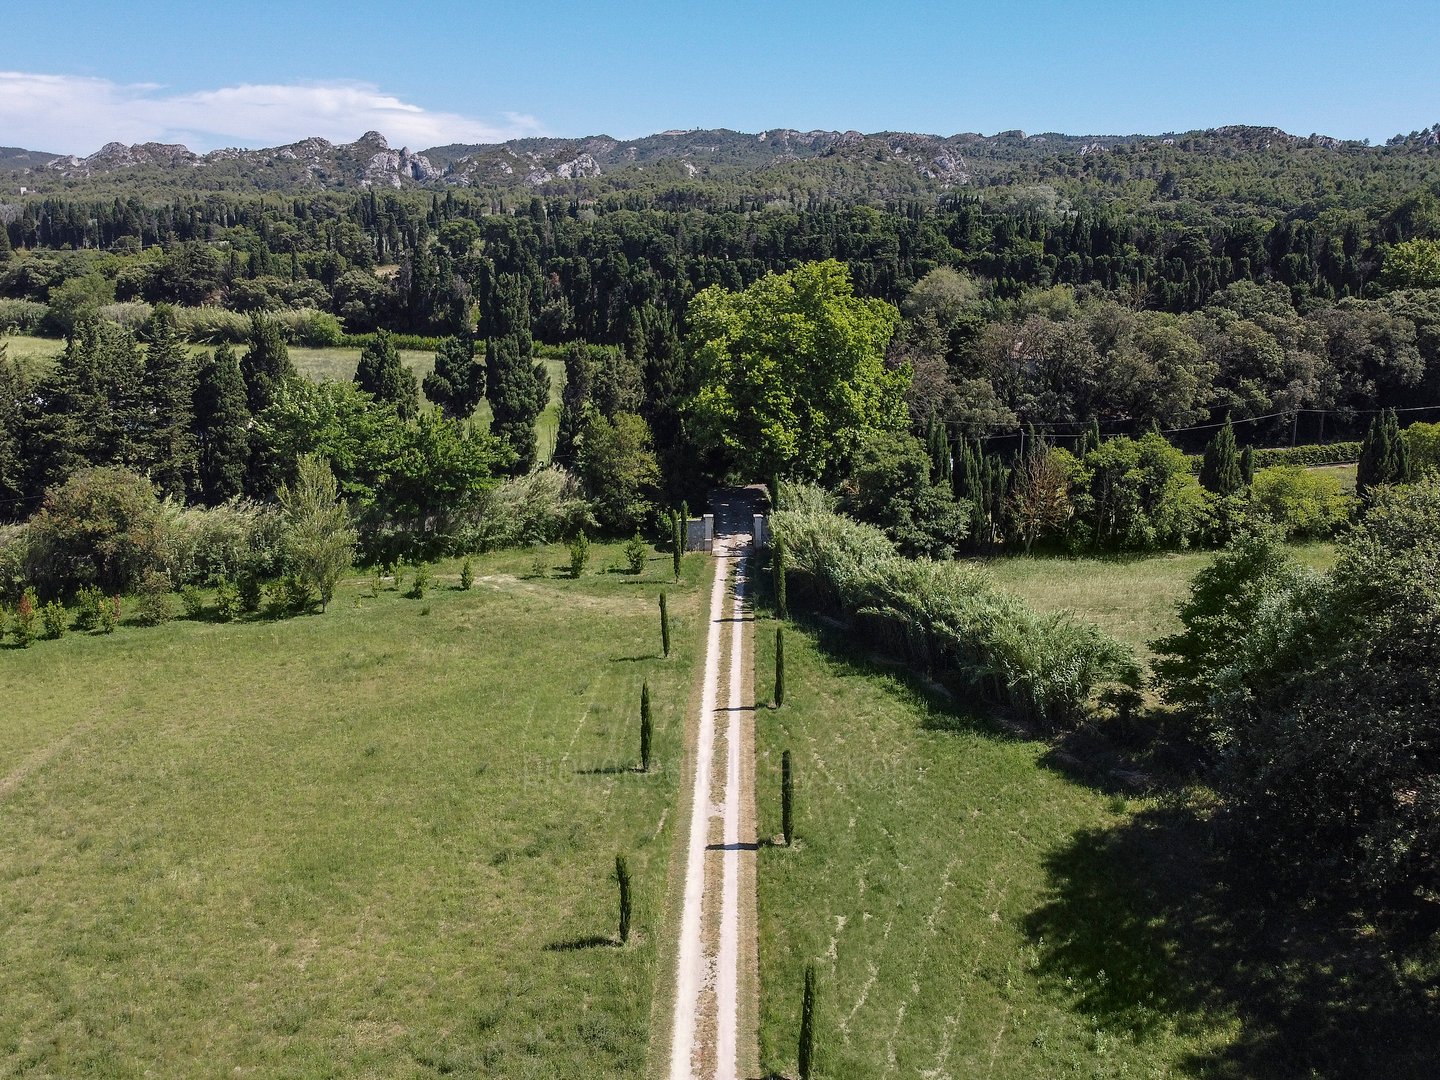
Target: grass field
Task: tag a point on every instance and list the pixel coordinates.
(332, 363)
(376, 842)
(1132, 599)
(921, 888)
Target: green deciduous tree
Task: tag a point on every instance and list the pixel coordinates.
(319, 539)
(792, 371)
(618, 468)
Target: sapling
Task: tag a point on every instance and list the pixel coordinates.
(807, 1024)
(647, 727)
(779, 666)
(467, 575)
(622, 875)
(787, 799)
(664, 625)
(777, 562)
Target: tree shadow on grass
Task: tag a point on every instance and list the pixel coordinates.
(1145, 928)
(595, 941)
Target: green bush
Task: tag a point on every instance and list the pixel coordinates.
(1340, 453)
(537, 508)
(579, 554)
(109, 615)
(635, 552)
(56, 619)
(467, 575)
(420, 583)
(227, 600)
(193, 601)
(250, 590)
(88, 604)
(21, 316)
(1302, 503)
(152, 599)
(1423, 443)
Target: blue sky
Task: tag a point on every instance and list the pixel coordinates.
(74, 75)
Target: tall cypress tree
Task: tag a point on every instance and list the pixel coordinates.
(14, 391)
(222, 421)
(1247, 465)
(1384, 456)
(167, 408)
(518, 388)
(266, 363)
(381, 374)
(458, 382)
(1220, 470)
(938, 446)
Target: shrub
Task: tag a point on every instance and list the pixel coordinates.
(1423, 443)
(56, 619)
(250, 590)
(102, 526)
(949, 619)
(635, 551)
(109, 615)
(579, 554)
(1300, 502)
(22, 624)
(21, 316)
(88, 604)
(227, 600)
(152, 599)
(538, 508)
(212, 325)
(467, 575)
(420, 583)
(1340, 453)
(193, 601)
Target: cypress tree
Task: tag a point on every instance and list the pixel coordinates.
(1092, 438)
(14, 391)
(647, 727)
(1220, 470)
(779, 666)
(266, 363)
(677, 542)
(517, 386)
(1247, 465)
(167, 406)
(222, 421)
(807, 1024)
(381, 374)
(777, 562)
(1384, 457)
(622, 875)
(787, 799)
(6, 251)
(664, 624)
(938, 447)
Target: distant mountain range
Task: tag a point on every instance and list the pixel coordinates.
(926, 161)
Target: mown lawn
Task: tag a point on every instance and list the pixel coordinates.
(375, 842)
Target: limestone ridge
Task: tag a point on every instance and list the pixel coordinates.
(898, 161)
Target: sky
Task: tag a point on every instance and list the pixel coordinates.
(74, 76)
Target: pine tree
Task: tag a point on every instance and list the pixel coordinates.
(807, 1024)
(222, 421)
(1220, 470)
(622, 876)
(457, 383)
(787, 799)
(647, 727)
(266, 363)
(381, 374)
(167, 405)
(779, 666)
(664, 625)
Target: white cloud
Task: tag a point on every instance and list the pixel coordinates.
(73, 114)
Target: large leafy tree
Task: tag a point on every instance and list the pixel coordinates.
(319, 539)
(793, 377)
(617, 464)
